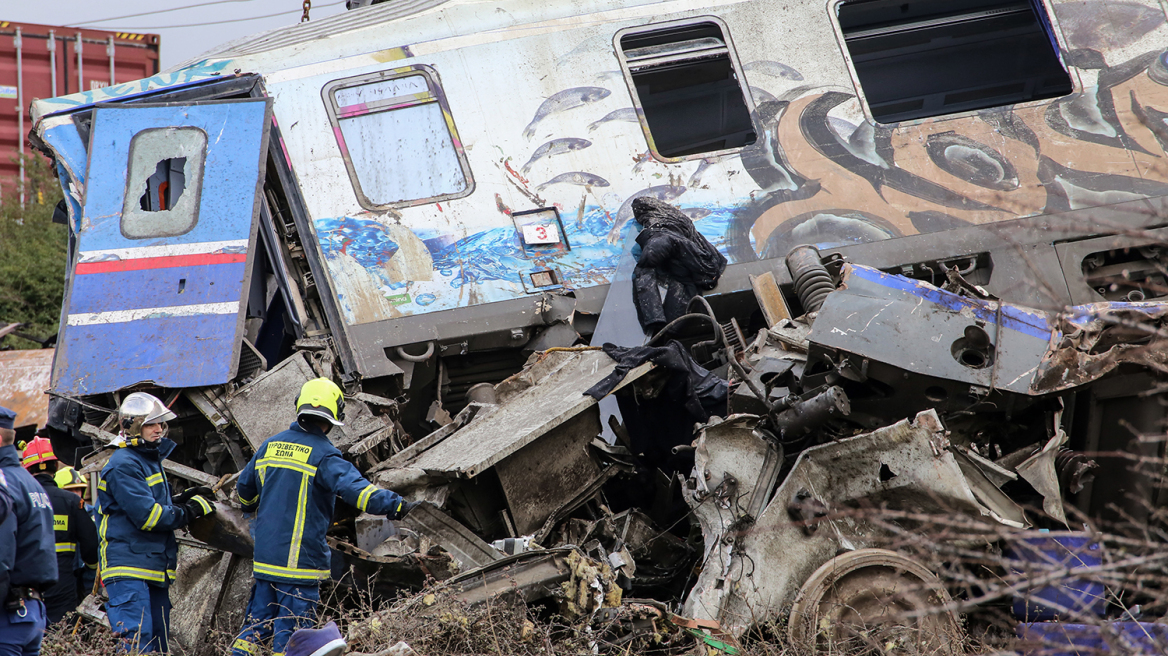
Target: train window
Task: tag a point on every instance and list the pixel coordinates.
(687, 83)
(397, 138)
(920, 58)
(163, 182)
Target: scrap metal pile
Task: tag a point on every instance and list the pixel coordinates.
(734, 488)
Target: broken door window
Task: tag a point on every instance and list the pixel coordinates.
(165, 177)
(689, 87)
(925, 58)
(398, 139)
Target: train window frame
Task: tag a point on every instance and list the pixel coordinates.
(630, 81)
(434, 94)
(148, 149)
(1046, 20)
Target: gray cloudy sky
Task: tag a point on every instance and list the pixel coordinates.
(183, 26)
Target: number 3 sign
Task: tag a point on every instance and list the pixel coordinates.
(542, 233)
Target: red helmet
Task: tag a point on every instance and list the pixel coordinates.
(38, 452)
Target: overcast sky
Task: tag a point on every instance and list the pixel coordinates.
(181, 24)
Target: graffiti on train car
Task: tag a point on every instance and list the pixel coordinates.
(820, 178)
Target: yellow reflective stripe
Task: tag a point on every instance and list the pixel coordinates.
(203, 503)
(108, 573)
(64, 547)
(104, 542)
(290, 572)
(101, 485)
(152, 520)
(298, 526)
(363, 500)
(91, 565)
(249, 502)
(244, 645)
(154, 479)
(286, 464)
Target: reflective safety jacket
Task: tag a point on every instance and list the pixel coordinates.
(137, 519)
(36, 560)
(75, 535)
(292, 484)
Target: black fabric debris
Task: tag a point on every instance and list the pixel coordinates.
(673, 254)
(701, 392)
(655, 422)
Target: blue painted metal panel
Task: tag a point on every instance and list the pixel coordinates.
(213, 283)
(112, 350)
(235, 131)
(126, 320)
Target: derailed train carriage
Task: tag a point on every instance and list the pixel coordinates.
(414, 197)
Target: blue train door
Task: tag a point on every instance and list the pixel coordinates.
(165, 246)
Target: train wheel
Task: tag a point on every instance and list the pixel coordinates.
(874, 601)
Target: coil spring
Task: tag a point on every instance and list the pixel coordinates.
(812, 281)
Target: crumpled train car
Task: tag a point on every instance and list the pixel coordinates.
(413, 197)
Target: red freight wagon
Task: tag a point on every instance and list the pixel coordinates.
(43, 61)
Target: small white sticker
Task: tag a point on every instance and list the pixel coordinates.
(543, 233)
(7, 92)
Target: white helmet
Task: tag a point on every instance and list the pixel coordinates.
(139, 409)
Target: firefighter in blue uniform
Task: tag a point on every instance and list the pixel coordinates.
(74, 529)
(22, 619)
(292, 484)
(138, 520)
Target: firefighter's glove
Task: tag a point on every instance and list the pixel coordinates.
(182, 497)
(403, 508)
(198, 507)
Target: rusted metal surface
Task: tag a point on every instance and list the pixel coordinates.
(24, 378)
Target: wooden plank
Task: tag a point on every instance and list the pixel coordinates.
(770, 298)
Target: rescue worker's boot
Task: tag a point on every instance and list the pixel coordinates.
(325, 641)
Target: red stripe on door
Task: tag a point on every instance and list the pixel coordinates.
(168, 262)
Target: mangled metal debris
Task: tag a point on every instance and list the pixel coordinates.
(828, 434)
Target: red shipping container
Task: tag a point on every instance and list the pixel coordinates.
(43, 61)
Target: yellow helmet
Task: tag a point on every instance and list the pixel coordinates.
(68, 478)
(322, 398)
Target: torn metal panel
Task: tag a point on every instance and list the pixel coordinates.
(24, 377)
(166, 265)
(922, 329)
(530, 407)
(753, 570)
(227, 529)
(582, 496)
(428, 521)
(987, 344)
(1095, 339)
(266, 405)
(539, 477)
(1039, 470)
(211, 587)
(532, 575)
(385, 575)
(584, 585)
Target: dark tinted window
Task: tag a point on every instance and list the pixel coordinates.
(688, 88)
(930, 57)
